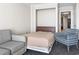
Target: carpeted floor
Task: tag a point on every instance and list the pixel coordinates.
(57, 49)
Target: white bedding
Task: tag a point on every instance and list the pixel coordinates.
(40, 39)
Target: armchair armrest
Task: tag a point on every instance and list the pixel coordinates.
(19, 38)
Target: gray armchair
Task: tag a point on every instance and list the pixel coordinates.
(9, 43)
(69, 37)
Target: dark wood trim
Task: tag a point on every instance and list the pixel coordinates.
(45, 29)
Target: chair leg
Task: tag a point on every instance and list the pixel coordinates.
(68, 49)
(77, 45)
(56, 42)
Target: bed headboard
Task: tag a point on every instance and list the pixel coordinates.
(45, 28)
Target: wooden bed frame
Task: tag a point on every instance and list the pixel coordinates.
(45, 29)
(42, 49)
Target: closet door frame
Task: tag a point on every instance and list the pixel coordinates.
(34, 12)
(64, 9)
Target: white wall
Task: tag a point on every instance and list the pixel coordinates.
(15, 17)
(35, 7)
(77, 16)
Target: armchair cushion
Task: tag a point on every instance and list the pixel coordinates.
(13, 46)
(60, 35)
(4, 51)
(5, 35)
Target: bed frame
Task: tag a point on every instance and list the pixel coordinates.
(42, 49)
(45, 29)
